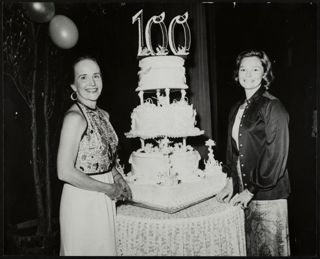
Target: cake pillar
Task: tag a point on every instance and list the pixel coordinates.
(141, 96)
(167, 90)
(184, 142)
(183, 94)
(158, 97)
(142, 143)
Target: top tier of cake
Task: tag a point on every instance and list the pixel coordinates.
(161, 72)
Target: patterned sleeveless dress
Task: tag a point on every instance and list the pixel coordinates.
(87, 218)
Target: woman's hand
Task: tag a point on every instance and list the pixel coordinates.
(115, 192)
(226, 193)
(242, 199)
(127, 194)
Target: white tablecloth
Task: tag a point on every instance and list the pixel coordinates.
(206, 229)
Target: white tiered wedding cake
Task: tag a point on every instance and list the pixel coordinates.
(164, 171)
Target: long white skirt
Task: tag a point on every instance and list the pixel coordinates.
(87, 221)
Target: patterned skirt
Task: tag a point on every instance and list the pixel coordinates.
(267, 231)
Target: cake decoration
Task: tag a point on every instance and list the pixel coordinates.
(212, 165)
(182, 50)
(145, 41)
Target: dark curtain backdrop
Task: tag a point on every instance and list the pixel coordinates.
(199, 77)
(199, 71)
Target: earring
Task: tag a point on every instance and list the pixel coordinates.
(73, 98)
(264, 77)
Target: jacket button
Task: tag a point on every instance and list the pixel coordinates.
(244, 174)
(240, 134)
(241, 125)
(245, 184)
(240, 145)
(243, 115)
(241, 155)
(242, 165)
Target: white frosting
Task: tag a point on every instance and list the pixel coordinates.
(174, 120)
(161, 72)
(213, 167)
(176, 197)
(156, 167)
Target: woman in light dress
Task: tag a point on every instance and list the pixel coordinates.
(257, 152)
(87, 163)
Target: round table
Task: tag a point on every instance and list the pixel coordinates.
(209, 228)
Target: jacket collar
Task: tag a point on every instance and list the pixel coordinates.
(256, 95)
(252, 99)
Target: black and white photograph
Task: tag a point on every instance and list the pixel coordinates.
(160, 128)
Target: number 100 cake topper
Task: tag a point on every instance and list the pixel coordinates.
(166, 37)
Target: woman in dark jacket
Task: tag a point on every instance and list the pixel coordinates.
(257, 152)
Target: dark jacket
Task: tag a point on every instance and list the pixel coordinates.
(263, 147)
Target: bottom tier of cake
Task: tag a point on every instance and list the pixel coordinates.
(173, 198)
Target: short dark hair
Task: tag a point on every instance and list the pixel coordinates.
(265, 61)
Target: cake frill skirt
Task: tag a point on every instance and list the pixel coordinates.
(87, 221)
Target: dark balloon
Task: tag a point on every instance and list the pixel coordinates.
(40, 12)
(63, 32)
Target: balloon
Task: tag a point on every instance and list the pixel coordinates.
(39, 11)
(63, 32)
